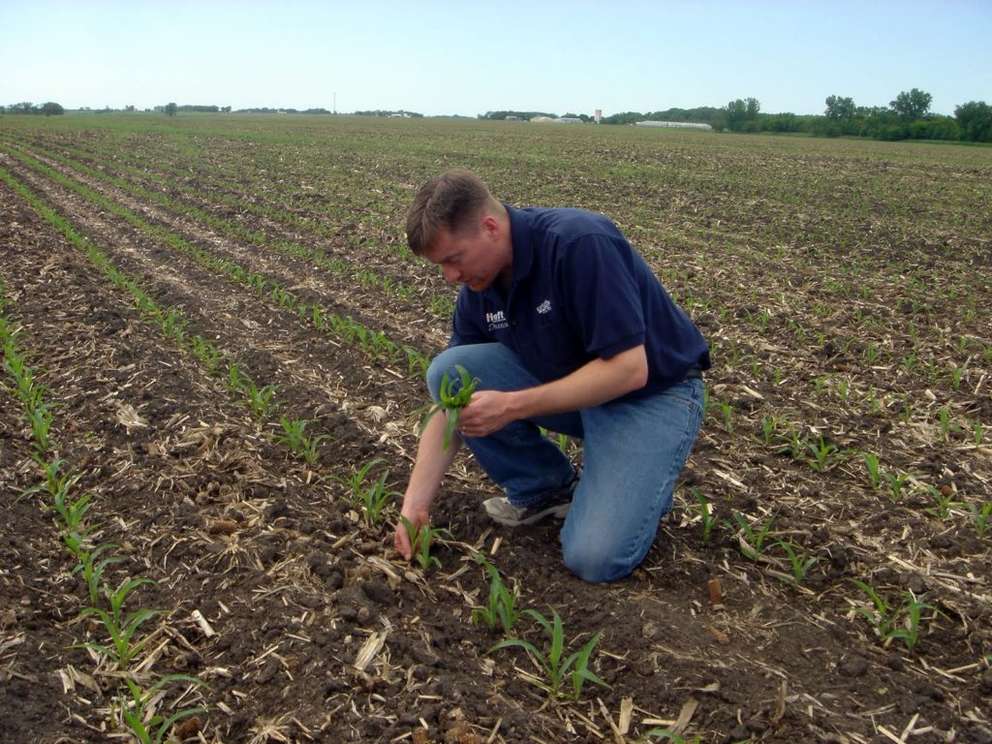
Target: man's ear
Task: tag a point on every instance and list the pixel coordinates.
(490, 225)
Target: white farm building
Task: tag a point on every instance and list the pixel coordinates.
(674, 124)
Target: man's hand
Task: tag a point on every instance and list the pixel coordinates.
(418, 516)
(488, 411)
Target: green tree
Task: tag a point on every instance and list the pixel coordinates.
(975, 120)
(50, 108)
(839, 109)
(171, 108)
(741, 111)
(913, 104)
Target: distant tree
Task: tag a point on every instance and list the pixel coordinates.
(24, 107)
(740, 112)
(911, 105)
(50, 108)
(170, 109)
(225, 109)
(975, 121)
(129, 108)
(839, 108)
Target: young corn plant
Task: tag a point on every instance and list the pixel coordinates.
(896, 483)
(451, 401)
(824, 454)
(874, 469)
(892, 622)
(92, 568)
(294, 437)
(138, 713)
(753, 539)
(259, 399)
(120, 626)
(980, 517)
(705, 508)
(942, 503)
(557, 672)
(375, 497)
(501, 609)
(800, 562)
(421, 539)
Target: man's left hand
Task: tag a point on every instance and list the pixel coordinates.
(488, 411)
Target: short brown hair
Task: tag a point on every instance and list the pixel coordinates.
(449, 201)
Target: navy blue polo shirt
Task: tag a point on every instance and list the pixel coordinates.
(579, 292)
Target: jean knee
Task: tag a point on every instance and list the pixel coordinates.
(594, 563)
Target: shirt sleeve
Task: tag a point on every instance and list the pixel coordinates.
(603, 295)
(465, 328)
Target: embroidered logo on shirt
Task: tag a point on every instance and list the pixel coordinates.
(544, 307)
(497, 321)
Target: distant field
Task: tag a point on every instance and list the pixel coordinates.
(186, 291)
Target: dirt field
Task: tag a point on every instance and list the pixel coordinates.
(844, 288)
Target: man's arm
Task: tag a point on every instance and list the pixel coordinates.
(594, 383)
(432, 462)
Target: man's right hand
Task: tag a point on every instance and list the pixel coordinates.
(418, 516)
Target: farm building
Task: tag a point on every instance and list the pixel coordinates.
(673, 124)
(542, 119)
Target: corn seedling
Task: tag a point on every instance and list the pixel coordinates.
(957, 373)
(421, 539)
(896, 483)
(727, 411)
(978, 433)
(451, 401)
(121, 627)
(769, 428)
(753, 540)
(501, 609)
(375, 498)
(800, 562)
(980, 516)
(356, 481)
(705, 508)
(294, 436)
(206, 352)
(40, 419)
(942, 503)
(874, 469)
(946, 425)
(92, 569)
(824, 454)
(138, 713)
(891, 622)
(259, 399)
(235, 380)
(557, 672)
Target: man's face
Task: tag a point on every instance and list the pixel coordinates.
(473, 258)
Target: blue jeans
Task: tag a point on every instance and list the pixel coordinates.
(632, 454)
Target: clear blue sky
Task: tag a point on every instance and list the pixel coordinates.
(469, 57)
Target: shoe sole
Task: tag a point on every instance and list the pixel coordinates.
(558, 512)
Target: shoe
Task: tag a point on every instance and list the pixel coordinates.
(556, 505)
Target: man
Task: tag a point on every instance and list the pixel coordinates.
(565, 327)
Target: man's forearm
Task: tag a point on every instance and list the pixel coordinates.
(593, 384)
(433, 461)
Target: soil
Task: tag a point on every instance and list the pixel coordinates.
(269, 551)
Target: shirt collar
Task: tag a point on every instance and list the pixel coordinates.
(523, 253)
(523, 250)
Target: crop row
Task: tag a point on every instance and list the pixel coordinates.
(134, 708)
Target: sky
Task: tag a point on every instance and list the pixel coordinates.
(440, 58)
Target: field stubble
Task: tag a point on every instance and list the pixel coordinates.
(841, 284)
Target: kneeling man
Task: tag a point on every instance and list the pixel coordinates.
(566, 327)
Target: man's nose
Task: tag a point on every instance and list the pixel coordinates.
(450, 274)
